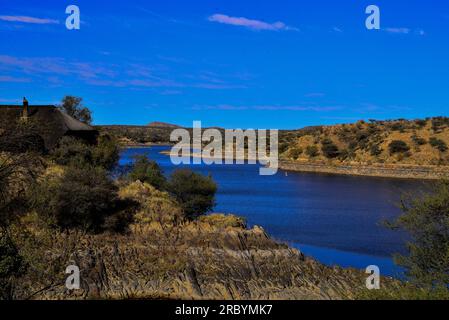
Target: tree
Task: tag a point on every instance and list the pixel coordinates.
(80, 198)
(398, 146)
(426, 220)
(194, 192)
(74, 107)
(295, 153)
(329, 149)
(76, 152)
(438, 144)
(147, 171)
(17, 172)
(312, 151)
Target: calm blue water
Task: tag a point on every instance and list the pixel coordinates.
(335, 219)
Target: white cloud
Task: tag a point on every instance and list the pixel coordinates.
(250, 23)
(26, 19)
(398, 30)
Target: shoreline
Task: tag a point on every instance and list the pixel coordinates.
(381, 171)
(413, 172)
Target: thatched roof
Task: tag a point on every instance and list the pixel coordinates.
(50, 122)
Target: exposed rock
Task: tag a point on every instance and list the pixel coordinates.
(215, 257)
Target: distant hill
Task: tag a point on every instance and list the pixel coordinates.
(408, 142)
(157, 124)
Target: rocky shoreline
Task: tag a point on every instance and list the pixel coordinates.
(378, 170)
(215, 257)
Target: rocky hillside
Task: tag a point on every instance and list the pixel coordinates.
(419, 142)
(215, 257)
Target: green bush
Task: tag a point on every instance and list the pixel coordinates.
(82, 198)
(418, 140)
(147, 171)
(194, 192)
(426, 220)
(294, 153)
(398, 146)
(329, 149)
(72, 151)
(438, 144)
(106, 153)
(76, 152)
(12, 265)
(375, 150)
(283, 146)
(312, 151)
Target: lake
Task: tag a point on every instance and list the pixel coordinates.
(335, 219)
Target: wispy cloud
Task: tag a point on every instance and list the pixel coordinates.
(250, 23)
(419, 32)
(398, 30)
(56, 70)
(14, 79)
(26, 19)
(337, 29)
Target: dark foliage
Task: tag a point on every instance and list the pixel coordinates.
(194, 192)
(398, 146)
(146, 170)
(375, 150)
(329, 149)
(426, 220)
(12, 265)
(418, 140)
(83, 198)
(76, 152)
(74, 107)
(438, 144)
(312, 151)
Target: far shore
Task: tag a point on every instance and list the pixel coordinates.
(397, 171)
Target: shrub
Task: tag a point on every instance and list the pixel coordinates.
(398, 146)
(81, 198)
(312, 151)
(345, 154)
(438, 144)
(194, 192)
(294, 153)
(421, 123)
(329, 149)
(76, 152)
(12, 265)
(106, 153)
(375, 150)
(147, 171)
(426, 220)
(283, 146)
(418, 140)
(72, 151)
(17, 173)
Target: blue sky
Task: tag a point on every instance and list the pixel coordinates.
(229, 63)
